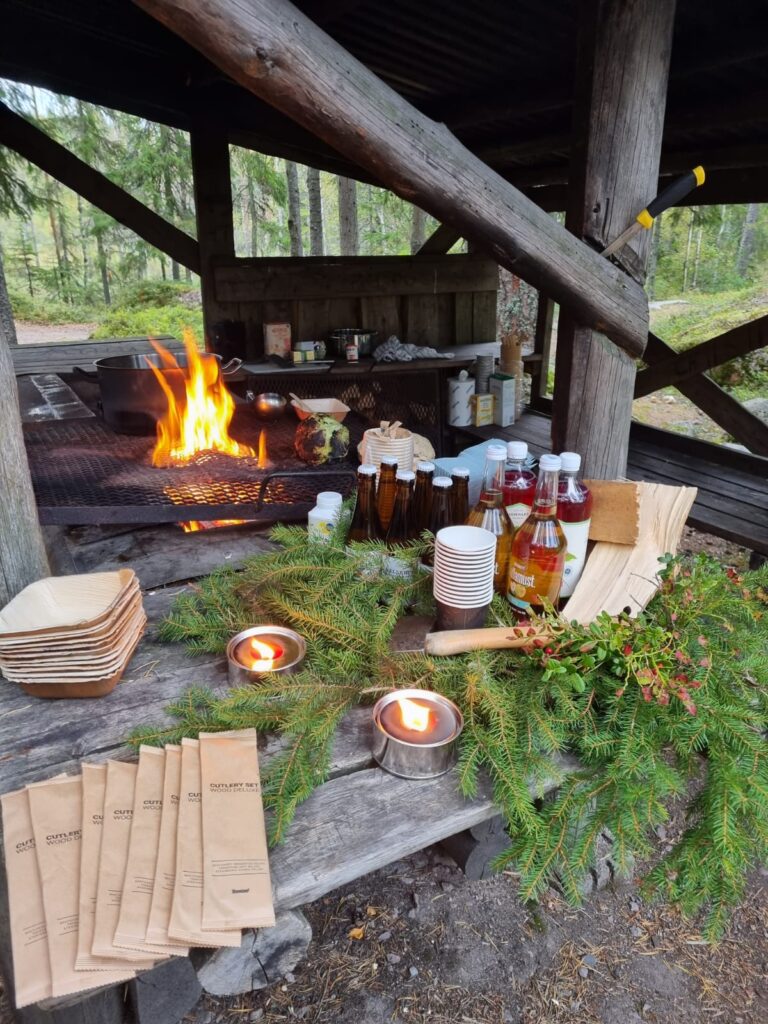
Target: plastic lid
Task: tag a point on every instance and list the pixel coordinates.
(405, 474)
(570, 462)
(462, 471)
(426, 467)
(442, 481)
(389, 460)
(367, 469)
(517, 451)
(496, 453)
(330, 499)
(549, 463)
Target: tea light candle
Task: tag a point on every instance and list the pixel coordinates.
(416, 733)
(254, 652)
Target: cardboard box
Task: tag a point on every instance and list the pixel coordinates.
(482, 410)
(503, 387)
(300, 356)
(277, 340)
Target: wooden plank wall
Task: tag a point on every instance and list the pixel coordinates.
(426, 300)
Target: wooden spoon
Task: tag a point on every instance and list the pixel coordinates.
(301, 403)
(495, 638)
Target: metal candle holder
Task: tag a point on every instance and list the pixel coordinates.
(293, 646)
(415, 760)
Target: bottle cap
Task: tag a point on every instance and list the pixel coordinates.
(549, 463)
(517, 451)
(425, 467)
(405, 474)
(389, 460)
(329, 499)
(367, 469)
(442, 481)
(570, 462)
(461, 471)
(496, 452)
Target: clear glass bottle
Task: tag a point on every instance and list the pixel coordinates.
(365, 519)
(385, 496)
(574, 513)
(519, 484)
(460, 502)
(322, 519)
(422, 495)
(538, 549)
(401, 528)
(442, 510)
(490, 515)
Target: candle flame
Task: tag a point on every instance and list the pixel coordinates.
(414, 716)
(263, 655)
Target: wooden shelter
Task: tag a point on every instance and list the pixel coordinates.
(487, 116)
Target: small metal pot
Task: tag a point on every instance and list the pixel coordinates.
(415, 760)
(343, 336)
(293, 645)
(132, 400)
(268, 405)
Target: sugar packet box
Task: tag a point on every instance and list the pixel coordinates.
(502, 387)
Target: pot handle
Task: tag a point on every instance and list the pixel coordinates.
(232, 366)
(85, 374)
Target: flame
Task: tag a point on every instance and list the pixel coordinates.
(262, 655)
(414, 716)
(197, 525)
(201, 422)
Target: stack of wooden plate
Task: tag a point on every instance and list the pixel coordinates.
(72, 636)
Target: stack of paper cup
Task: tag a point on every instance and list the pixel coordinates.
(483, 370)
(465, 557)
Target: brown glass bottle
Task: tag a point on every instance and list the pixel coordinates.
(401, 526)
(442, 511)
(385, 496)
(422, 495)
(460, 495)
(365, 520)
(538, 550)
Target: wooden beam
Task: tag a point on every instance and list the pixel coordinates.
(443, 238)
(269, 47)
(708, 396)
(22, 551)
(739, 341)
(621, 84)
(213, 212)
(28, 141)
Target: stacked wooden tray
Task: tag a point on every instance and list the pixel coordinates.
(72, 636)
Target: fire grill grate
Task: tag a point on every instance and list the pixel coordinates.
(83, 472)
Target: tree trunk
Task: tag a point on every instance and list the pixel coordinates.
(22, 552)
(697, 259)
(103, 268)
(348, 217)
(294, 208)
(7, 325)
(653, 259)
(687, 263)
(418, 229)
(747, 242)
(314, 196)
(253, 216)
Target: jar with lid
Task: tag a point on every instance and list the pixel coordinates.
(322, 519)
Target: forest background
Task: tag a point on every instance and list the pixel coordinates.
(67, 263)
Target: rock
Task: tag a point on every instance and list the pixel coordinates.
(590, 960)
(384, 936)
(290, 977)
(575, 1006)
(166, 993)
(636, 932)
(758, 407)
(583, 972)
(262, 958)
(393, 958)
(634, 906)
(670, 400)
(661, 832)
(255, 1015)
(413, 971)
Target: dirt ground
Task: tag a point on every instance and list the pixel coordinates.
(48, 334)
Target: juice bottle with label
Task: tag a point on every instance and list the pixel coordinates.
(574, 512)
(538, 550)
(490, 515)
(519, 484)
(385, 496)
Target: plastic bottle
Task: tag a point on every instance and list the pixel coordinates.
(442, 510)
(490, 515)
(574, 513)
(538, 549)
(365, 520)
(422, 495)
(385, 496)
(460, 502)
(519, 484)
(322, 519)
(401, 526)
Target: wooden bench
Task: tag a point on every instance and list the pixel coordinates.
(733, 485)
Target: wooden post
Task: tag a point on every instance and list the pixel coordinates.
(621, 86)
(22, 552)
(213, 213)
(542, 347)
(272, 49)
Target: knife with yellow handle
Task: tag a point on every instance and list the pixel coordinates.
(669, 196)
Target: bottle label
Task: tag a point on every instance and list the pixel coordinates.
(577, 535)
(520, 584)
(518, 513)
(319, 530)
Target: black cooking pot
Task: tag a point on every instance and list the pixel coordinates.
(132, 399)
